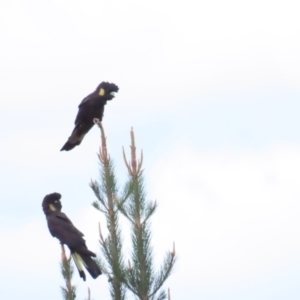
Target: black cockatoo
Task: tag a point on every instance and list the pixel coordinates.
(61, 227)
(91, 107)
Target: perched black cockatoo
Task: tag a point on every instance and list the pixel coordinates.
(91, 107)
(61, 227)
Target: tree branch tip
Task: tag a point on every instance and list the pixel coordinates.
(89, 294)
(126, 162)
(100, 232)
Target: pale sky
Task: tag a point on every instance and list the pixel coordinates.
(212, 91)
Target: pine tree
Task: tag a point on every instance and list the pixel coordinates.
(106, 193)
(67, 270)
(139, 276)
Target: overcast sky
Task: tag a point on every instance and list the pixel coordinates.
(212, 91)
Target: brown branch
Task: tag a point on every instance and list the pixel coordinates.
(134, 166)
(100, 233)
(133, 152)
(173, 252)
(103, 154)
(89, 294)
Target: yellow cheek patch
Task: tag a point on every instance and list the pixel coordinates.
(102, 92)
(52, 207)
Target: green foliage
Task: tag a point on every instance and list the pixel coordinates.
(111, 247)
(139, 276)
(69, 291)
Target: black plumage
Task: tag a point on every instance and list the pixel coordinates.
(91, 107)
(61, 227)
